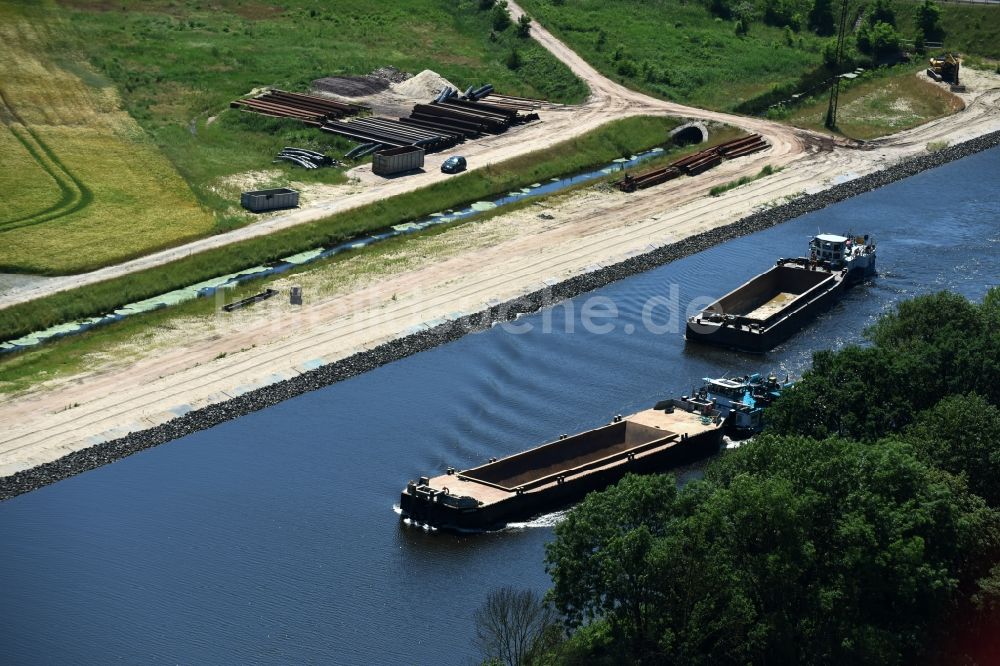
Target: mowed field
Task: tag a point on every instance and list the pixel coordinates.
(83, 184)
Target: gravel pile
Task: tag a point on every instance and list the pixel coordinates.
(108, 452)
(425, 86)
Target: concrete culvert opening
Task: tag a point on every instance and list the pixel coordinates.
(689, 134)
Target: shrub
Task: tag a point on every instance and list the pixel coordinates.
(501, 17)
(524, 26)
(513, 60)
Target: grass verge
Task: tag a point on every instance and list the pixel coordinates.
(618, 138)
(733, 184)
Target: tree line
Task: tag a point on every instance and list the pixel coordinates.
(863, 526)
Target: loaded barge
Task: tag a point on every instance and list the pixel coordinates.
(771, 307)
(555, 474)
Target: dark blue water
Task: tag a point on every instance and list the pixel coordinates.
(273, 539)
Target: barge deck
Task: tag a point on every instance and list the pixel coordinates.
(770, 308)
(555, 474)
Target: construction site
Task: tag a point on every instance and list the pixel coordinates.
(261, 263)
(396, 119)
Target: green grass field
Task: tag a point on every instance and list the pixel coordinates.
(971, 29)
(679, 50)
(83, 184)
(598, 147)
(179, 63)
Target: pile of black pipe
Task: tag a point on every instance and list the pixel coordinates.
(212, 415)
(308, 159)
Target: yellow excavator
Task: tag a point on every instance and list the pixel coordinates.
(945, 68)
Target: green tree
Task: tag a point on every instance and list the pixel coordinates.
(931, 347)
(821, 20)
(792, 551)
(593, 558)
(881, 11)
(524, 26)
(879, 41)
(721, 8)
(744, 13)
(500, 16)
(884, 577)
(778, 12)
(928, 14)
(961, 434)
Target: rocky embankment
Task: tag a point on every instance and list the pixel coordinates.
(201, 419)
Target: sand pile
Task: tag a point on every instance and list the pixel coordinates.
(424, 86)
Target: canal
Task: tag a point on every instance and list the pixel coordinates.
(272, 539)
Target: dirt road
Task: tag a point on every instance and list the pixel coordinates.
(608, 101)
(498, 259)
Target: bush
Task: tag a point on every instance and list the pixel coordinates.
(500, 17)
(513, 59)
(626, 68)
(929, 20)
(524, 26)
(821, 19)
(878, 41)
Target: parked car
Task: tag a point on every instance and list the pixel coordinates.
(454, 164)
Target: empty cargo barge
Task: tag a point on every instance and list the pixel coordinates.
(553, 475)
(767, 310)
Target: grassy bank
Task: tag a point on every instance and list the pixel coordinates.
(971, 29)
(179, 63)
(83, 184)
(598, 147)
(877, 104)
(679, 50)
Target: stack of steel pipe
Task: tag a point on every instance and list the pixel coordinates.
(694, 164)
(481, 120)
(393, 133)
(703, 162)
(519, 103)
(311, 109)
(740, 147)
(648, 179)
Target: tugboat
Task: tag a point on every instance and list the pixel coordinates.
(741, 400)
(771, 307)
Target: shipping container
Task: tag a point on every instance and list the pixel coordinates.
(397, 160)
(263, 200)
